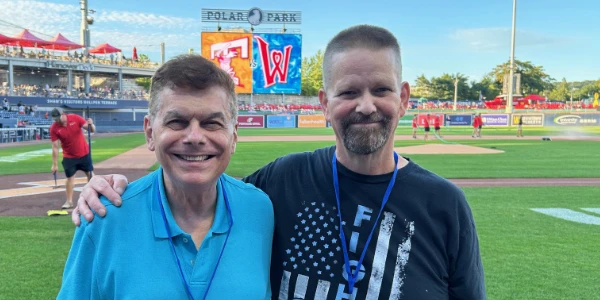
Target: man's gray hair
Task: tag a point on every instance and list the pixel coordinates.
(194, 72)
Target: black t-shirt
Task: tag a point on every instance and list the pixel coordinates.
(425, 245)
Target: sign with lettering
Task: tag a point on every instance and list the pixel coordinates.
(257, 63)
(254, 16)
(572, 119)
(312, 121)
(495, 119)
(78, 103)
(63, 65)
(277, 59)
(251, 121)
(528, 119)
(232, 52)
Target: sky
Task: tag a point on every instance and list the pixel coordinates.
(436, 36)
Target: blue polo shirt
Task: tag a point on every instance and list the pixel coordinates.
(127, 254)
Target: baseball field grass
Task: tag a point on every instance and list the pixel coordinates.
(526, 255)
(521, 158)
(38, 158)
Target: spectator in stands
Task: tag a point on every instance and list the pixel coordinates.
(21, 108)
(6, 105)
(66, 129)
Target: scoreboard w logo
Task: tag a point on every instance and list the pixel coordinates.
(571, 215)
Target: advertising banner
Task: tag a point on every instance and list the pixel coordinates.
(405, 121)
(76, 103)
(528, 119)
(459, 120)
(276, 63)
(422, 117)
(251, 121)
(232, 52)
(572, 120)
(314, 121)
(495, 119)
(281, 121)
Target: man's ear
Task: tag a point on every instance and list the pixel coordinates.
(148, 133)
(324, 101)
(404, 97)
(235, 138)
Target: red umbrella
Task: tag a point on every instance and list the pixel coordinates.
(104, 49)
(59, 42)
(135, 56)
(26, 39)
(5, 39)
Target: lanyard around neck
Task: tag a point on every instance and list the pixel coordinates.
(230, 219)
(353, 276)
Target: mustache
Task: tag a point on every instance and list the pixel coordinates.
(362, 118)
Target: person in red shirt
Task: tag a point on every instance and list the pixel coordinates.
(477, 124)
(415, 125)
(436, 125)
(427, 128)
(76, 156)
(480, 124)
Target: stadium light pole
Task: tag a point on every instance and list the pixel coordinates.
(509, 99)
(455, 91)
(85, 38)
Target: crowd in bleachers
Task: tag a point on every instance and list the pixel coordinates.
(61, 92)
(79, 57)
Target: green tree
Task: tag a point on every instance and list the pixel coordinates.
(534, 79)
(422, 88)
(442, 88)
(144, 82)
(487, 86)
(561, 91)
(312, 74)
(585, 89)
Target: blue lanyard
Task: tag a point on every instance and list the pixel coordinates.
(162, 209)
(352, 277)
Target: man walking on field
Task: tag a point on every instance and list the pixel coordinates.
(76, 156)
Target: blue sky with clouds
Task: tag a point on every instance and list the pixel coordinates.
(436, 36)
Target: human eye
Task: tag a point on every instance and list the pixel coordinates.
(346, 93)
(383, 89)
(176, 124)
(213, 124)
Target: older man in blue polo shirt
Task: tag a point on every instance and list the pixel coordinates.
(198, 233)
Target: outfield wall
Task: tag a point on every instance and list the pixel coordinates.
(453, 120)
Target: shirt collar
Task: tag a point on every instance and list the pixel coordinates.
(220, 223)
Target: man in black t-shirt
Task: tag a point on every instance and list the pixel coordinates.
(355, 220)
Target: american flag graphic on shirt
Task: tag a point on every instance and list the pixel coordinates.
(315, 248)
